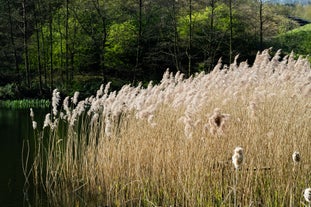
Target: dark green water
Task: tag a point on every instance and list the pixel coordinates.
(15, 126)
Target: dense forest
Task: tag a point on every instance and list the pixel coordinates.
(80, 44)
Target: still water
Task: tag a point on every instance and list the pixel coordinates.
(15, 126)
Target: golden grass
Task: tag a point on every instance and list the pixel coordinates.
(167, 155)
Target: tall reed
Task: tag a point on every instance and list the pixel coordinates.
(169, 144)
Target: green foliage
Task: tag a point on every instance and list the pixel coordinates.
(104, 40)
(303, 11)
(85, 84)
(297, 40)
(7, 91)
(201, 21)
(25, 103)
(122, 38)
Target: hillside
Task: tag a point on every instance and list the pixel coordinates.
(297, 40)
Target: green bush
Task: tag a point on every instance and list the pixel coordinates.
(297, 40)
(7, 91)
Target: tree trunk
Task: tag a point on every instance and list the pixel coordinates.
(51, 45)
(72, 54)
(103, 39)
(45, 58)
(61, 62)
(176, 47)
(25, 32)
(231, 33)
(211, 37)
(190, 39)
(261, 25)
(67, 43)
(13, 41)
(139, 36)
(38, 51)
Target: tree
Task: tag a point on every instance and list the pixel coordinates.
(12, 38)
(139, 36)
(67, 42)
(25, 38)
(211, 36)
(231, 31)
(261, 22)
(93, 18)
(51, 45)
(190, 38)
(176, 51)
(132, 40)
(37, 28)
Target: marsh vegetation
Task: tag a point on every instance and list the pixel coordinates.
(171, 144)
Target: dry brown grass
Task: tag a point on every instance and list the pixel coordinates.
(167, 155)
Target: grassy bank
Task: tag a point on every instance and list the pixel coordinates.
(171, 144)
(25, 103)
(297, 40)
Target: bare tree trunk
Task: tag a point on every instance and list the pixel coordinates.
(211, 37)
(139, 36)
(51, 45)
(67, 43)
(38, 51)
(61, 63)
(44, 57)
(190, 38)
(231, 33)
(26, 56)
(261, 25)
(13, 41)
(72, 54)
(176, 48)
(104, 37)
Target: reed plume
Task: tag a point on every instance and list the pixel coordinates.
(307, 195)
(296, 157)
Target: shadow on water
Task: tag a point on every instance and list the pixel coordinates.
(15, 126)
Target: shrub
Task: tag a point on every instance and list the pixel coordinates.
(7, 91)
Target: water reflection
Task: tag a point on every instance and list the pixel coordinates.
(15, 126)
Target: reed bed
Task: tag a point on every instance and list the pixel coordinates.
(171, 144)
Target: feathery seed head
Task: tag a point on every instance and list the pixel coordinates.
(47, 120)
(100, 91)
(237, 158)
(55, 101)
(238, 150)
(32, 115)
(217, 122)
(66, 102)
(75, 98)
(106, 90)
(34, 124)
(296, 157)
(95, 118)
(307, 194)
(108, 127)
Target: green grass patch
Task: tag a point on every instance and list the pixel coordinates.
(297, 40)
(25, 103)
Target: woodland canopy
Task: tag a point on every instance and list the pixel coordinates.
(79, 44)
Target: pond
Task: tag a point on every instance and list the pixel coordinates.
(15, 126)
